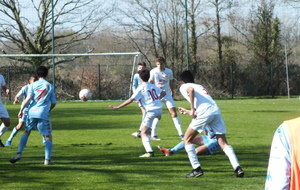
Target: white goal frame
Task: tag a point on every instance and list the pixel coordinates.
(137, 57)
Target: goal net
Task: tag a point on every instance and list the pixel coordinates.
(107, 75)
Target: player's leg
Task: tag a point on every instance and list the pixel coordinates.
(45, 129)
(180, 146)
(14, 133)
(218, 125)
(189, 135)
(22, 144)
(146, 142)
(154, 129)
(5, 121)
(137, 134)
(172, 110)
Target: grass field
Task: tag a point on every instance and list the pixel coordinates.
(93, 149)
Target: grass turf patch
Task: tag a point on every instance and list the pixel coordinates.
(93, 149)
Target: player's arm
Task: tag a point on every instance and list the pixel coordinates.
(5, 89)
(52, 106)
(190, 91)
(172, 87)
(19, 94)
(24, 105)
(128, 101)
(162, 94)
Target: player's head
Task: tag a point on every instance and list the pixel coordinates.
(42, 71)
(161, 63)
(32, 79)
(187, 76)
(144, 74)
(141, 65)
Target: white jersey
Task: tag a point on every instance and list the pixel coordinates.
(2, 83)
(279, 161)
(162, 78)
(202, 99)
(148, 95)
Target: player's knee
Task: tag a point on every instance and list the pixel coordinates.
(173, 114)
(6, 122)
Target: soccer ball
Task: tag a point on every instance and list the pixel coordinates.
(85, 94)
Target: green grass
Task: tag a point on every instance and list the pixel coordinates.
(93, 149)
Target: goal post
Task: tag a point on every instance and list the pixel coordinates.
(108, 61)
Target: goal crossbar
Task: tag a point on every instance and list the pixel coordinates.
(69, 55)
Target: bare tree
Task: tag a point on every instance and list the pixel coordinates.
(74, 21)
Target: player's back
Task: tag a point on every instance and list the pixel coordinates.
(42, 96)
(150, 96)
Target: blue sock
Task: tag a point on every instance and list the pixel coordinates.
(23, 142)
(48, 150)
(178, 147)
(13, 134)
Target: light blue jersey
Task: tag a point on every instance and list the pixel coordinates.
(209, 140)
(43, 95)
(23, 94)
(136, 82)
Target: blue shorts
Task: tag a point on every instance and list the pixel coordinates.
(44, 126)
(212, 144)
(24, 116)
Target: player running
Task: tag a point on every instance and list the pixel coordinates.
(41, 96)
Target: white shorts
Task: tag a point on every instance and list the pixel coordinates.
(214, 121)
(168, 101)
(3, 111)
(150, 116)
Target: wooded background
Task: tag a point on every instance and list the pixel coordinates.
(235, 48)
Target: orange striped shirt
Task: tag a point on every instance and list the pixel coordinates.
(293, 126)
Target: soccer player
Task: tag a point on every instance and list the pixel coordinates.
(207, 144)
(4, 116)
(204, 111)
(162, 77)
(41, 96)
(284, 163)
(135, 84)
(149, 96)
(22, 93)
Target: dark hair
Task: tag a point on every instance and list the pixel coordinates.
(34, 77)
(42, 71)
(161, 60)
(142, 64)
(144, 74)
(187, 76)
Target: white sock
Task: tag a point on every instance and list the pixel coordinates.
(177, 124)
(147, 145)
(232, 157)
(3, 128)
(154, 127)
(190, 150)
